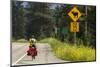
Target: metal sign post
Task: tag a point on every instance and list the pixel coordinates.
(75, 38)
(74, 26)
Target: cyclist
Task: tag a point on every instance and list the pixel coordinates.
(32, 48)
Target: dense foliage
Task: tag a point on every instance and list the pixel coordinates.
(51, 20)
(69, 52)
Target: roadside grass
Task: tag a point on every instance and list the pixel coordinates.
(69, 52)
(19, 41)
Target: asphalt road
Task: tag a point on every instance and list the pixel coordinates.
(45, 54)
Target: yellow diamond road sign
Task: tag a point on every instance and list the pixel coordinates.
(74, 14)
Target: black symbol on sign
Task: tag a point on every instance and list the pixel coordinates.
(75, 27)
(75, 14)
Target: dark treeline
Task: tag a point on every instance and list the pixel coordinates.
(51, 20)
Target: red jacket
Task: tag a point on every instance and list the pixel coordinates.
(32, 51)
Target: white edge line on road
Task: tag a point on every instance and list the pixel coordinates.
(20, 59)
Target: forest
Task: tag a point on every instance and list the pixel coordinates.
(44, 20)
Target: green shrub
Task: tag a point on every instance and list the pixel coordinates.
(69, 52)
